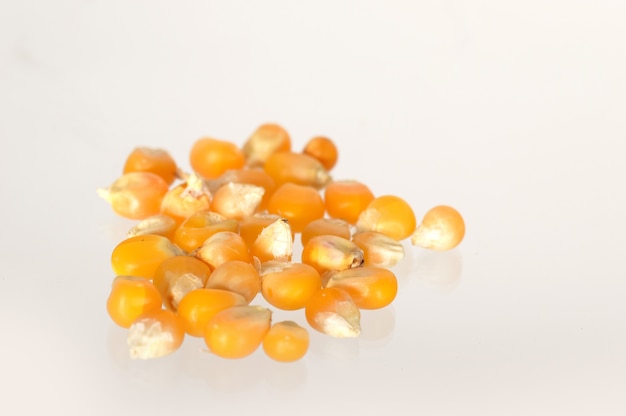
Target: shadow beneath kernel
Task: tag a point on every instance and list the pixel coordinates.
(438, 270)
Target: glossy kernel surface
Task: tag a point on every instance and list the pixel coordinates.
(442, 228)
(199, 306)
(347, 199)
(212, 157)
(286, 341)
(299, 204)
(390, 215)
(130, 297)
(370, 287)
(141, 255)
(288, 286)
(178, 275)
(332, 311)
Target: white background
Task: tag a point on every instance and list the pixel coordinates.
(513, 112)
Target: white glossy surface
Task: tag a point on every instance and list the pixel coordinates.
(511, 111)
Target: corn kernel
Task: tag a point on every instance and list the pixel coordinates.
(237, 200)
(346, 199)
(237, 276)
(390, 215)
(287, 285)
(130, 297)
(141, 255)
(369, 287)
(378, 249)
(157, 161)
(442, 228)
(212, 157)
(135, 195)
(275, 242)
(199, 306)
(250, 227)
(329, 252)
(186, 199)
(325, 226)
(221, 247)
(198, 227)
(286, 341)
(267, 139)
(298, 168)
(323, 149)
(251, 176)
(160, 224)
(299, 204)
(332, 311)
(238, 331)
(155, 334)
(177, 276)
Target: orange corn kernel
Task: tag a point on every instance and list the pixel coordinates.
(130, 297)
(238, 331)
(250, 227)
(332, 311)
(378, 249)
(325, 226)
(390, 215)
(211, 157)
(237, 200)
(275, 242)
(346, 199)
(287, 285)
(141, 255)
(299, 204)
(186, 199)
(286, 341)
(160, 224)
(267, 139)
(177, 276)
(237, 276)
(155, 334)
(221, 247)
(198, 227)
(285, 167)
(323, 149)
(329, 252)
(252, 176)
(369, 287)
(442, 228)
(199, 306)
(157, 161)
(136, 195)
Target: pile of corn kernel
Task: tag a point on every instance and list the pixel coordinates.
(208, 242)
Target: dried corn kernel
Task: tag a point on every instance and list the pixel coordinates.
(130, 297)
(267, 139)
(198, 227)
(211, 157)
(186, 199)
(237, 276)
(286, 341)
(325, 226)
(221, 247)
(251, 176)
(160, 224)
(378, 249)
(237, 200)
(199, 306)
(250, 227)
(346, 199)
(442, 228)
(238, 331)
(329, 252)
(157, 161)
(369, 287)
(332, 311)
(299, 204)
(287, 285)
(155, 334)
(136, 195)
(275, 242)
(390, 215)
(141, 255)
(177, 276)
(298, 168)
(323, 149)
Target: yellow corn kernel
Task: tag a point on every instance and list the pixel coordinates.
(267, 139)
(325, 226)
(221, 247)
(442, 228)
(299, 204)
(323, 149)
(332, 311)
(155, 334)
(286, 341)
(378, 249)
(212, 157)
(390, 215)
(287, 285)
(329, 252)
(177, 276)
(346, 199)
(238, 331)
(199, 306)
(251, 176)
(130, 297)
(136, 195)
(236, 276)
(298, 168)
(160, 224)
(198, 227)
(141, 255)
(237, 200)
(369, 287)
(186, 199)
(250, 227)
(275, 242)
(157, 161)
